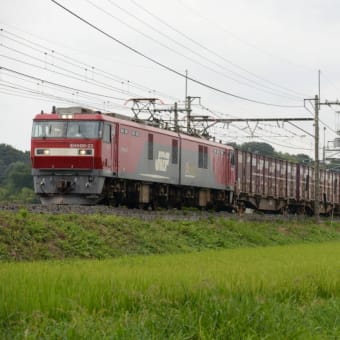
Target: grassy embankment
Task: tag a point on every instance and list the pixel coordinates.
(27, 236)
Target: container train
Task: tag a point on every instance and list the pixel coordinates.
(80, 156)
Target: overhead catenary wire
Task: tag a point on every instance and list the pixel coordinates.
(57, 84)
(56, 55)
(222, 115)
(96, 106)
(238, 38)
(249, 82)
(72, 75)
(168, 68)
(44, 96)
(321, 121)
(204, 47)
(219, 114)
(263, 138)
(42, 92)
(196, 61)
(104, 86)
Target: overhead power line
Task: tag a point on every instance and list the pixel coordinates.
(40, 91)
(222, 115)
(71, 75)
(59, 85)
(23, 92)
(246, 81)
(56, 55)
(218, 24)
(197, 43)
(168, 68)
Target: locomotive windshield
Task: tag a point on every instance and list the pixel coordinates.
(67, 129)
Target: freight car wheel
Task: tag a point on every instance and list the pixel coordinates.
(241, 208)
(309, 211)
(301, 210)
(284, 211)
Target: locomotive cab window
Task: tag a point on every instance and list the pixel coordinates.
(82, 129)
(232, 157)
(335, 186)
(174, 151)
(66, 129)
(203, 157)
(107, 133)
(49, 129)
(307, 183)
(150, 146)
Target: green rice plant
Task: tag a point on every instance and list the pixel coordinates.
(272, 292)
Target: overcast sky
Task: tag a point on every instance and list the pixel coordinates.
(262, 51)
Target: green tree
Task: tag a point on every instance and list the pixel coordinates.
(234, 145)
(258, 147)
(303, 158)
(25, 195)
(4, 194)
(19, 176)
(16, 183)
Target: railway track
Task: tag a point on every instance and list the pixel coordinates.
(117, 211)
(174, 214)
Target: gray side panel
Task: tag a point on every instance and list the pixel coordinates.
(160, 169)
(192, 175)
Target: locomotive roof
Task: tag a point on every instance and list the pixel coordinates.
(79, 113)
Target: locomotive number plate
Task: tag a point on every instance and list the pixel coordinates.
(81, 146)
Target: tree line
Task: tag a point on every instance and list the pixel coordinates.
(266, 149)
(16, 182)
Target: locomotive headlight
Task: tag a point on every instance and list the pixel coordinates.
(42, 152)
(85, 152)
(66, 116)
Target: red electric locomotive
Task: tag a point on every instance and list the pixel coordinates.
(80, 156)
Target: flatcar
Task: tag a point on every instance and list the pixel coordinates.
(80, 156)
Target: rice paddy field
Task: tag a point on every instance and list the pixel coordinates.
(273, 292)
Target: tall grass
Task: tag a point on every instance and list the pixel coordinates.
(272, 292)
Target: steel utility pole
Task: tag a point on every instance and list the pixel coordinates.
(324, 148)
(317, 106)
(188, 101)
(317, 164)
